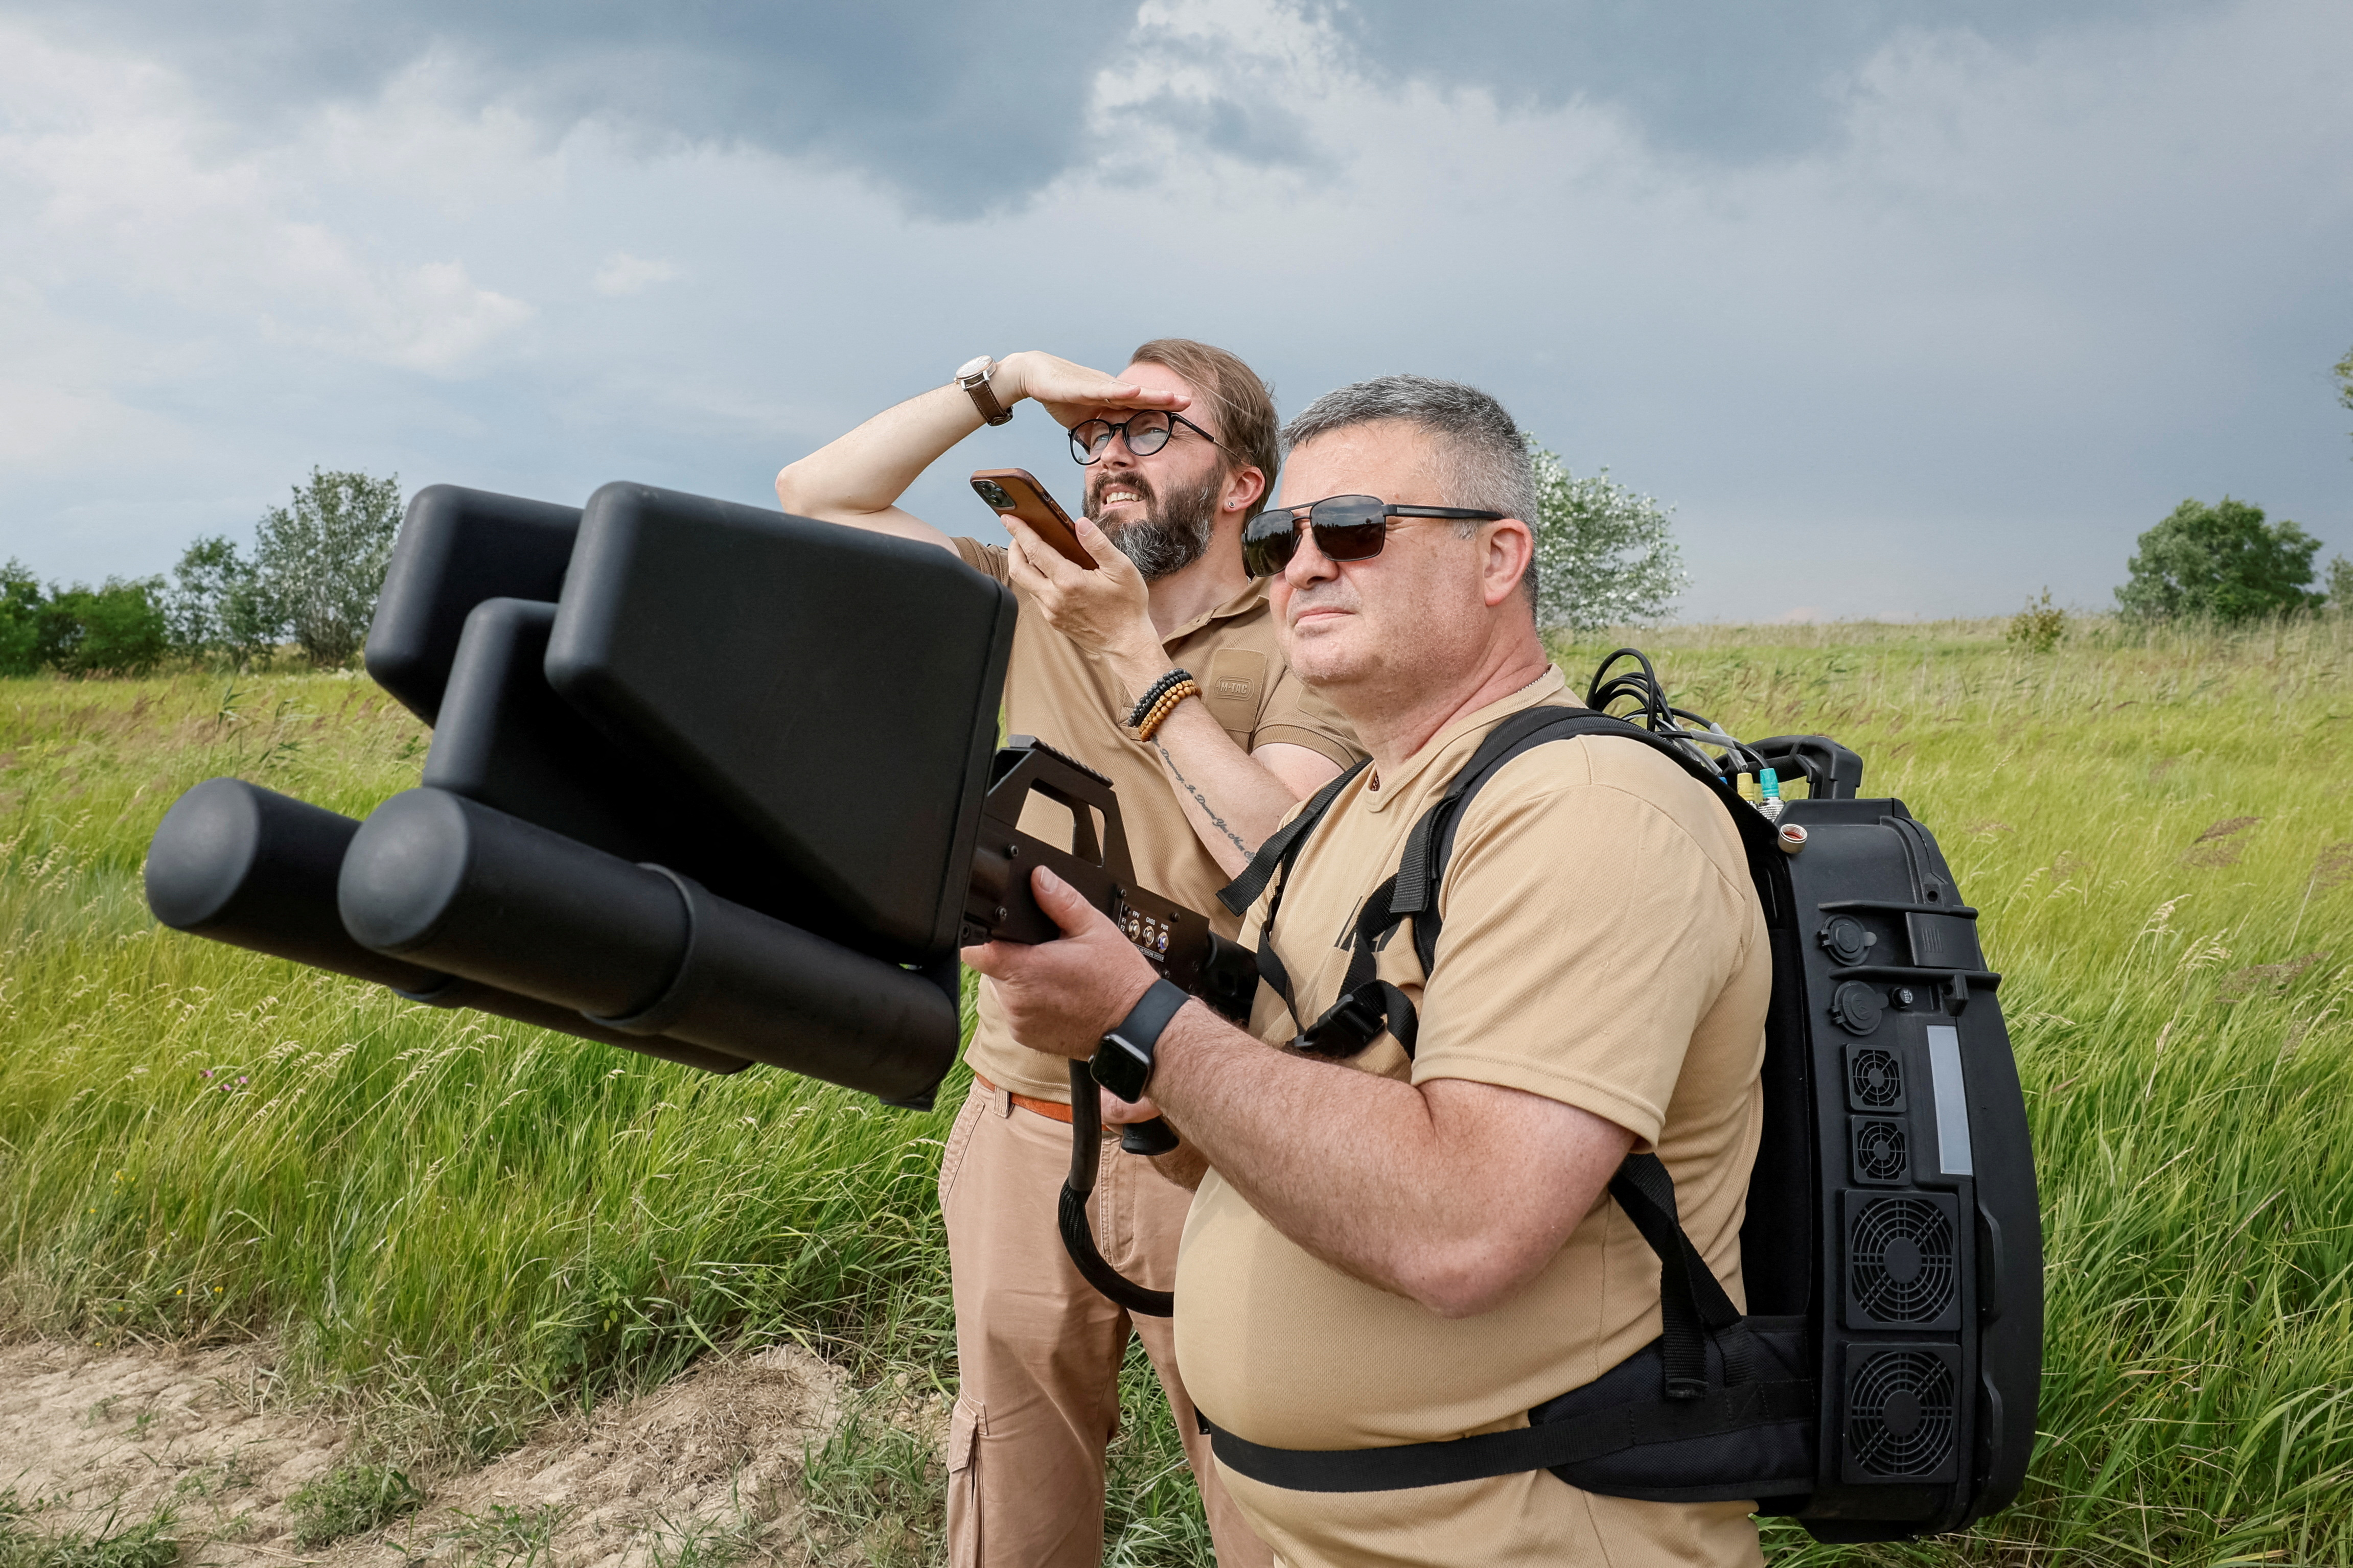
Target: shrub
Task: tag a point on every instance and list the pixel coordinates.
(2221, 561)
(115, 629)
(1605, 555)
(2038, 627)
(2340, 583)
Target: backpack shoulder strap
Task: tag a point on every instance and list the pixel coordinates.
(1282, 845)
(1274, 858)
(1432, 846)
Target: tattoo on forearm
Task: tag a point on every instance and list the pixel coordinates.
(1198, 799)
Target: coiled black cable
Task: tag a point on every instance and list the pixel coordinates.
(1655, 713)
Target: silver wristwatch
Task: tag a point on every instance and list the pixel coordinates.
(973, 378)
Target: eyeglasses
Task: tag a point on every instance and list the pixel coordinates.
(1146, 433)
(1347, 528)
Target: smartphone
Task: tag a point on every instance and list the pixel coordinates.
(1016, 492)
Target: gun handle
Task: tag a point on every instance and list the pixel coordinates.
(1153, 1137)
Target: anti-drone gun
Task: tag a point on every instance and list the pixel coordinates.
(706, 782)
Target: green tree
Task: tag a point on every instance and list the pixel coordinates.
(2222, 561)
(2340, 583)
(117, 628)
(20, 619)
(2344, 374)
(218, 605)
(319, 563)
(1605, 555)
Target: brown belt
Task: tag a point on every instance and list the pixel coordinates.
(1052, 1110)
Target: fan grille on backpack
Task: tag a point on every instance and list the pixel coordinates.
(1875, 1080)
(1879, 1150)
(1901, 1260)
(1901, 1419)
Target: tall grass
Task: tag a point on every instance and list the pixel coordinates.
(457, 1225)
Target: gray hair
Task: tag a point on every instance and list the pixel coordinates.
(1483, 458)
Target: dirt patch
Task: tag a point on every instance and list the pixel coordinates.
(98, 1442)
(705, 1470)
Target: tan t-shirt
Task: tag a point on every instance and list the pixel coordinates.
(1070, 698)
(1603, 947)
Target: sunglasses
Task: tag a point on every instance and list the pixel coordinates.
(1347, 528)
(1146, 433)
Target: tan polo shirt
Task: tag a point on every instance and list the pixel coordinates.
(1603, 947)
(1071, 700)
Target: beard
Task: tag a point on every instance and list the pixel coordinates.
(1173, 531)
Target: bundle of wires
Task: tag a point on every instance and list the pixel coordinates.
(1651, 710)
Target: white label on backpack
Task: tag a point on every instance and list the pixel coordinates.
(1952, 1101)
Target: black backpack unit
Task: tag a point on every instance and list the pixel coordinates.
(1882, 1383)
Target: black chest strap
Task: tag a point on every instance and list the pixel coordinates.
(1271, 865)
(1727, 1412)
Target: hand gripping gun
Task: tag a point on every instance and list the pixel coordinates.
(1177, 939)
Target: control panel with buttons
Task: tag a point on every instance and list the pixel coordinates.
(1147, 932)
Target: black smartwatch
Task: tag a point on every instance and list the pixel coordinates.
(1123, 1064)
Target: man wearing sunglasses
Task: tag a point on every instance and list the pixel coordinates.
(1403, 1234)
(1161, 669)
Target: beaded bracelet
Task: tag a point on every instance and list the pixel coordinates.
(1160, 688)
(1166, 706)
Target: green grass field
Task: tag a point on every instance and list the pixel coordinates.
(453, 1225)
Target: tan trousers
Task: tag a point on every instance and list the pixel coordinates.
(1039, 1351)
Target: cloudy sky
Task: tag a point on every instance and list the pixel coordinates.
(1907, 310)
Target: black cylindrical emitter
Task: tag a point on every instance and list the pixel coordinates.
(433, 878)
(755, 986)
(257, 869)
(451, 884)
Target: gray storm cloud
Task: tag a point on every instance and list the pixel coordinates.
(1907, 311)
(962, 107)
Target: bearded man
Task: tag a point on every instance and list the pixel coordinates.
(1178, 449)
